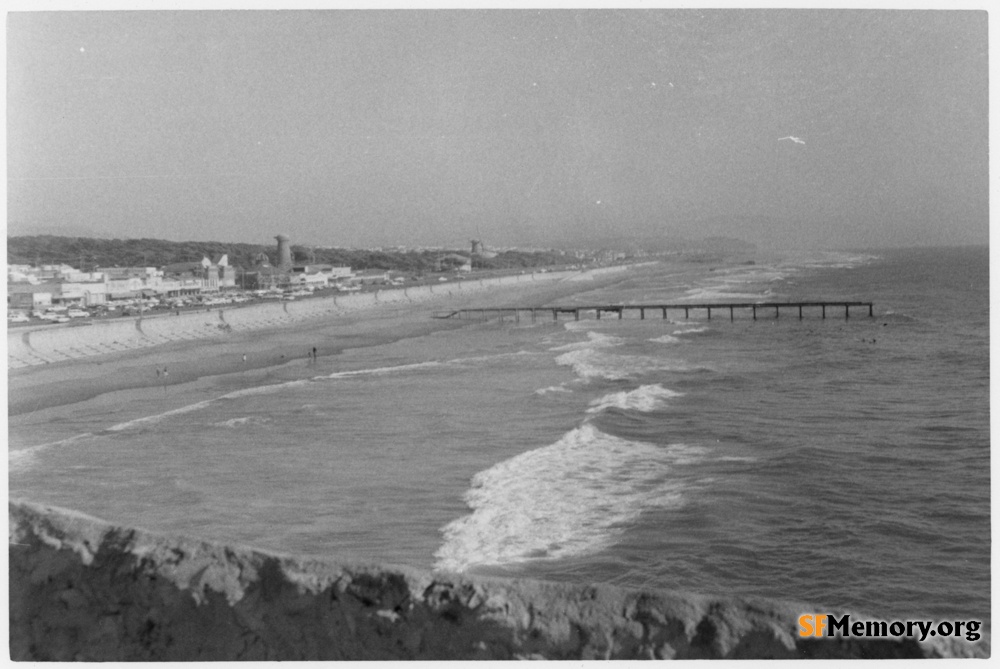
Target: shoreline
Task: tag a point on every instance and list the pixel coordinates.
(190, 363)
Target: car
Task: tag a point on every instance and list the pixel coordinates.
(48, 316)
(18, 318)
(62, 319)
(77, 313)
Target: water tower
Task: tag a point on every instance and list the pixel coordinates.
(284, 252)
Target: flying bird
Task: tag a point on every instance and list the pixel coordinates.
(794, 139)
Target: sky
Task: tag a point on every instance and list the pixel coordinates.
(557, 127)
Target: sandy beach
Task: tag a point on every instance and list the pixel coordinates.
(246, 356)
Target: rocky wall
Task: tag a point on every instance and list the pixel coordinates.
(83, 589)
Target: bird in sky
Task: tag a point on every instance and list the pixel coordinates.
(794, 139)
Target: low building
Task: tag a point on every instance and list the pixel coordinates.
(202, 270)
(83, 293)
(370, 277)
(264, 277)
(28, 296)
(144, 273)
(454, 262)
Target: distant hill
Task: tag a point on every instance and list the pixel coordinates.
(89, 252)
(677, 244)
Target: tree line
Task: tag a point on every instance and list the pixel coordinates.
(87, 253)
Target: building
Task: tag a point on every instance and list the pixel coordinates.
(318, 276)
(370, 277)
(28, 296)
(34, 295)
(202, 270)
(227, 274)
(453, 262)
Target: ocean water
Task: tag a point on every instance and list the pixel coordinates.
(839, 462)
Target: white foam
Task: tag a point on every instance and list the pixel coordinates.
(239, 422)
(23, 458)
(561, 388)
(717, 293)
(690, 331)
(644, 398)
(264, 390)
(665, 339)
(594, 340)
(381, 370)
(149, 420)
(573, 497)
(591, 363)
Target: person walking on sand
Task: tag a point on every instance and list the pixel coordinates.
(314, 354)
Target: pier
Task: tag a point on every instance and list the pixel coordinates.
(766, 309)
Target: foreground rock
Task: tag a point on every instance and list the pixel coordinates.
(82, 589)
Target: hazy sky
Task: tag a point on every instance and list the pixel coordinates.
(363, 128)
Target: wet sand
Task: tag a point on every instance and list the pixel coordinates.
(131, 374)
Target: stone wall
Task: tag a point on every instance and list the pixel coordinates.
(82, 589)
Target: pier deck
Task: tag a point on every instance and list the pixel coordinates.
(485, 313)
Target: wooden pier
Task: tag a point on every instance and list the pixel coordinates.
(763, 308)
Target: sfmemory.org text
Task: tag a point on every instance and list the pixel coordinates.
(823, 624)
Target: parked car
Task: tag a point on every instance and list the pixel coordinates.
(77, 313)
(18, 318)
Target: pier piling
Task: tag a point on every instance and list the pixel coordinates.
(485, 313)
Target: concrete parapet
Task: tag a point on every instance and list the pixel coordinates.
(69, 343)
(255, 316)
(189, 325)
(419, 293)
(82, 589)
(19, 352)
(356, 301)
(55, 344)
(391, 296)
(313, 308)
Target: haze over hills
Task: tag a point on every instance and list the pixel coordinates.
(539, 128)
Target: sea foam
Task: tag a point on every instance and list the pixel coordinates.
(643, 398)
(572, 497)
(594, 363)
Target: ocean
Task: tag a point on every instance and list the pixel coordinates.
(844, 463)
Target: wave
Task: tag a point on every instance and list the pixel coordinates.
(381, 370)
(561, 388)
(149, 420)
(22, 458)
(240, 422)
(644, 398)
(665, 339)
(590, 363)
(572, 497)
(720, 294)
(594, 340)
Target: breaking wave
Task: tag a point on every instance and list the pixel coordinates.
(572, 497)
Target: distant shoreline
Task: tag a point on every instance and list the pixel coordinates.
(370, 323)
